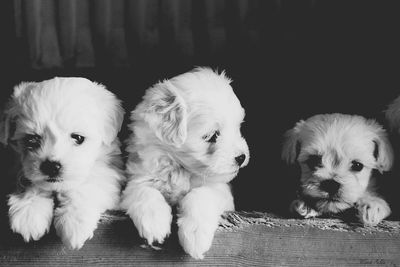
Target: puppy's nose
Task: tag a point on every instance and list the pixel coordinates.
(240, 159)
(50, 168)
(329, 186)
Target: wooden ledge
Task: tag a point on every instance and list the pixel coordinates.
(243, 238)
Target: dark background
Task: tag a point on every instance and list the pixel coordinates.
(288, 60)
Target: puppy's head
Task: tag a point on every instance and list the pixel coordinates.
(196, 117)
(337, 154)
(59, 128)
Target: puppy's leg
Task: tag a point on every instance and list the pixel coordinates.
(79, 211)
(200, 212)
(372, 209)
(30, 213)
(149, 211)
(299, 207)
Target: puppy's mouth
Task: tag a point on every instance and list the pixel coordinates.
(329, 204)
(53, 179)
(333, 197)
(329, 199)
(322, 196)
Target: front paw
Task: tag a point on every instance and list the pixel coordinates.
(31, 219)
(300, 207)
(195, 236)
(372, 210)
(153, 223)
(74, 229)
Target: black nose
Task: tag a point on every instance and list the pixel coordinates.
(50, 168)
(240, 159)
(329, 186)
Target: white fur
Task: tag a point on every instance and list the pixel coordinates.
(31, 213)
(89, 181)
(173, 161)
(372, 209)
(149, 211)
(199, 216)
(339, 140)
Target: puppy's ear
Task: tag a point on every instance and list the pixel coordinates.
(393, 114)
(383, 152)
(114, 114)
(6, 126)
(165, 111)
(292, 145)
(9, 112)
(116, 117)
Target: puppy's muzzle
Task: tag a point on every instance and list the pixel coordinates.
(240, 159)
(330, 186)
(50, 168)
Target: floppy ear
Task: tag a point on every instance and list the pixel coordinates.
(114, 114)
(116, 117)
(393, 114)
(166, 114)
(383, 152)
(9, 113)
(5, 127)
(292, 145)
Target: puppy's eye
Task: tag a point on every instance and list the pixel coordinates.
(79, 139)
(356, 166)
(32, 141)
(314, 161)
(212, 138)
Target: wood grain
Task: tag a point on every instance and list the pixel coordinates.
(243, 239)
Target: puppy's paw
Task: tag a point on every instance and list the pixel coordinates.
(195, 236)
(299, 207)
(154, 222)
(32, 218)
(74, 229)
(372, 210)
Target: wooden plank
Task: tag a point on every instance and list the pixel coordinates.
(243, 239)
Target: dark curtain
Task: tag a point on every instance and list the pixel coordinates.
(88, 33)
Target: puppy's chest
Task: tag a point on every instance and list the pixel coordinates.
(174, 186)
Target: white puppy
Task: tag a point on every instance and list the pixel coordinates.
(185, 147)
(64, 133)
(337, 154)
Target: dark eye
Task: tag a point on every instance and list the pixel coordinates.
(314, 161)
(356, 166)
(79, 139)
(32, 141)
(213, 137)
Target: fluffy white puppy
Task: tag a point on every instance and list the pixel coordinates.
(64, 133)
(337, 154)
(185, 147)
